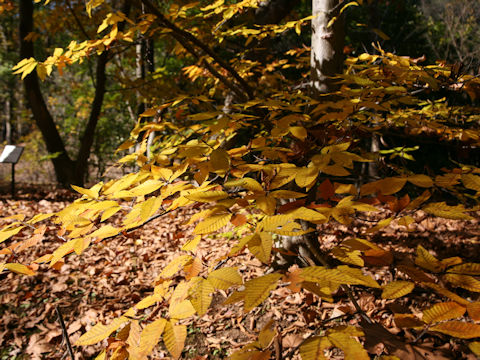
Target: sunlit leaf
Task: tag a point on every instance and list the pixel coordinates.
(396, 289)
(258, 289)
(443, 311)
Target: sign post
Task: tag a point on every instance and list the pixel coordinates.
(11, 154)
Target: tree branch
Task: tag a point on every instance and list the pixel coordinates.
(184, 37)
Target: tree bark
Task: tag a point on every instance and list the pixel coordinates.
(62, 163)
(67, 171)
(326, 62)
(86, 141)
(327, 46)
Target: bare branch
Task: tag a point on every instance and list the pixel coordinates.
(186, 39)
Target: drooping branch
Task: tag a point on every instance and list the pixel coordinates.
(186, 39)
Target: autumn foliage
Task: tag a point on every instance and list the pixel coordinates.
(273, 165)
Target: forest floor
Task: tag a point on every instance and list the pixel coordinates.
(109, 277)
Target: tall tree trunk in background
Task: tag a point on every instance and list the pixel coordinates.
(327, 45)
(86, 140)
(67, 171)
(326, 63)
(62, 163)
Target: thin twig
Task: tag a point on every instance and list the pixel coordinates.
(65, 333)
(179, 34)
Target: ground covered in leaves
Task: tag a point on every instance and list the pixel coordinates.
(112, 276)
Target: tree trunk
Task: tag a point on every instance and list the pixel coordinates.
(327, 46)
(86, 141)
(62, 163)
(326, 62)
(67, 171)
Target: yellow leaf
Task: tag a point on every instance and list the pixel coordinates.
(458, 329)
(182, 310)
(356, 277)
(419, 201)
(41, 71)
(267, 334)
(207, 196)
(148, 301)
(406, 221)
(241, 244)
(192, 244)
(397, 289)
(475, 347)
(348, 256)
(100, 332)
(174, 338)
(246, 183)
(351, 348)
(80, 245)
(133, 339)
(108, 213)
(380, 225)
(92, 4)
(387, 186)
(147, 187)
(306, 214)
(443, 210)
(466, 269)
(224, 278)
(258, 289)
(5, 234)
(287, 194)
(471, 181)
(220, 160)
(452, 296)
(212, 223)
(306, 177)
(408, 321)
(261, 246)
(427, 261)
(149, 208)
(451, 261)
(421, 180)
(150, 336)
(102, 355)
(234, 297)
(272, 223)
(299, 132)
(19, 269)
(201, 297)
(447, 180)
(267, 204)
(105, 231)
(314, 348)
(61, 251)
(38, 218)
(474, 310)
(443, 311)
(89, 193)
(464, 281)
(174, 266)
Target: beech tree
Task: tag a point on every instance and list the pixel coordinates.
(279, 141)
(67, 170)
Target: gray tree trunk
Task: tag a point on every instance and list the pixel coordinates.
(327, 46)
(326, 63)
